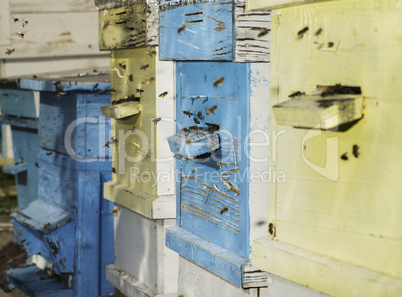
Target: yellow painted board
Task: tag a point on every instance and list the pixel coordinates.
(324, 274)
(333, 203)
(128, 26)
(141, 139)
(274, 4)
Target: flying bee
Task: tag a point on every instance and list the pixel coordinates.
(196, 121)
(61, 94)
(122, 66)
(144, 67)
(24, 23)
(131, 77)
(49, 154)
(114, 170)
(199, 115)
(9, 51)
(330, 44)
(95, 86)
(156, 120)
(301, 32)
(319, 31)
(212, 109)
(187, 113)
(263, 32)
(163, 94)
(57, 83)
(36, 164)
(45, 226)
(140, 91)
(115, 211)
(223, 210)
(20, 35)
(219, 82)
(150, 53)
(345, 157)
(111, 141)
(271, 229)
(15, 19)
(356, 152)
(181, 29)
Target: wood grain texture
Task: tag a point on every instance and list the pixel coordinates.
(131, 26)
(342, 208)
(275, 4)
(34, 282)
(253, 31)
(198, 30)
(288, 260)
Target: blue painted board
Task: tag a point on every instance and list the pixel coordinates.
(106, 237)
(193, 144)
(73, 124)
(19, 103)
(206, 32)
(36, 283)
(225, 263)
(15, 168)
(213, 200)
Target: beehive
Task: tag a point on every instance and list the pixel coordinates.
(333, 224)
(69, 225)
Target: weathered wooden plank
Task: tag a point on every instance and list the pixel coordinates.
(197, 32)
(316, 111)
(19, 103)
(106, 237)
(345, 280)
(231, 34)
(275, 4)
(252, 35)
(121, 110)
(150, 206)
(129, 26)
(48, 6)
(53, 34)
(87, 235)
(223, 262)
(196, 281)
(194, 144)
(35, 282)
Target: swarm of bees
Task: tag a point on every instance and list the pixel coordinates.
(21, 35)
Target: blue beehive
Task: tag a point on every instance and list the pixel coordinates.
(69, 225)
(20, 109)
(217, 30)
(218, 203)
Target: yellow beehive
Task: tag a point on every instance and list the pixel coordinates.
(335, 221)
(143, 111)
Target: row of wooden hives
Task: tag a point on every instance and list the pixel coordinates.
(221, 144)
